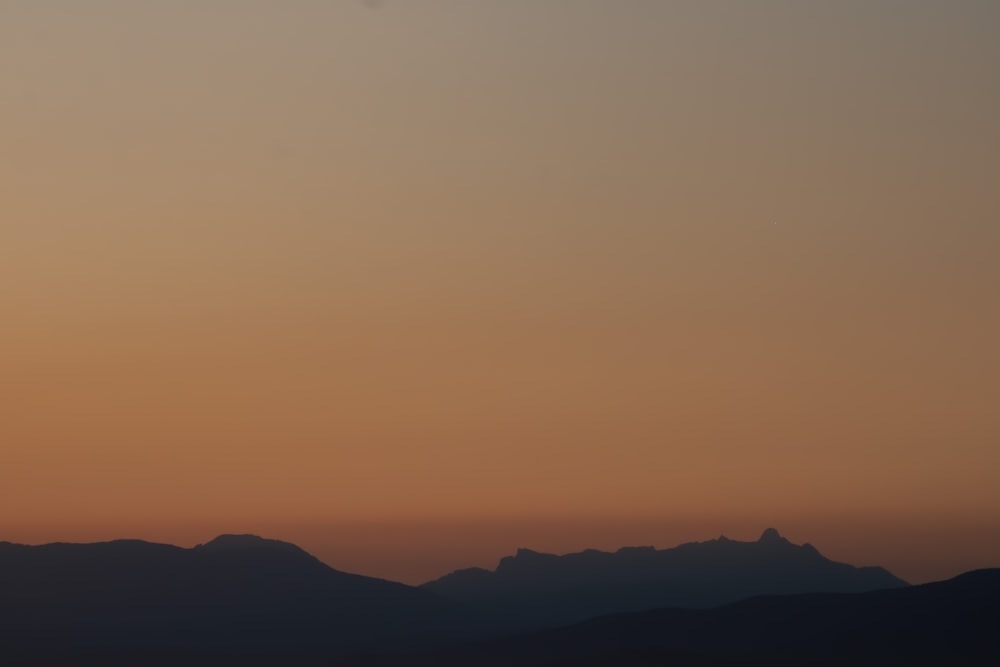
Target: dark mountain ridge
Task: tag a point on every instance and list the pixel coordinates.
(532, 589)
(952, 623)
(240, 594)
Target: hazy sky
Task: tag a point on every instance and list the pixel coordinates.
(328, 262)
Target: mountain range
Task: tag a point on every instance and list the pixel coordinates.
(238, 595)
(534, 589)
(244, 600)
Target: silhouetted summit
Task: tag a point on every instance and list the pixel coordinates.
(532, 589)
(772, 536)
(247, 542)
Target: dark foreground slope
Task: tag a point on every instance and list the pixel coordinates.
(953, 623)
(236, 595)
(535, 590)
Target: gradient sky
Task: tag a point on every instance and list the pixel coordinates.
(315, 268)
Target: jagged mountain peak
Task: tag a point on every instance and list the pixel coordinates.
(772, 536)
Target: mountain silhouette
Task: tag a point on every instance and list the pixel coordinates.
(532, 589)
(242, 599)
(236, 595)
(952, 623)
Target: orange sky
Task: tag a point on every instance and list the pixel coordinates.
(689, 267)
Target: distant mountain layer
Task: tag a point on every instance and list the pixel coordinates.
(543, 590)
(954, 623)
(234, 595)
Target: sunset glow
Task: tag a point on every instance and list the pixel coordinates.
(414, 284)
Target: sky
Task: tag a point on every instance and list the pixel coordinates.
(416, 283)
